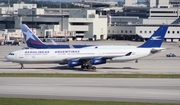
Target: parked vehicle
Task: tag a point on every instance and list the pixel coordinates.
(11, 42)
(171, 55)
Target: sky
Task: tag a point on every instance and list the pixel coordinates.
(79, 0)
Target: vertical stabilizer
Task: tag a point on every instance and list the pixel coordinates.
(30, 38)
(156, 39)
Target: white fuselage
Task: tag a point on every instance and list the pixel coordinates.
(110, 46)
(34, 56)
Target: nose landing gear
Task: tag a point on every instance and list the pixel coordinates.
(22, 66)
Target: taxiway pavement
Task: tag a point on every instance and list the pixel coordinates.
(104, 89)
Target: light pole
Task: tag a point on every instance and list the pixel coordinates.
(32, 18)
(32, 14)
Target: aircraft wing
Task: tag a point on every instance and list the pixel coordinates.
(71, 46)
(54, 43)
(90, 57)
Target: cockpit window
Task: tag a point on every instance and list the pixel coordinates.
(11, 53)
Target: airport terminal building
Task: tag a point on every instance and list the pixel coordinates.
(133, 21)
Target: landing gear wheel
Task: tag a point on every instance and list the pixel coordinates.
(86, 64)
(82, 67)
(88, 67)
(22, 66)
(93, 68)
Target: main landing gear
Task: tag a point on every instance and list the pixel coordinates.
(22, 66)
(87, 65)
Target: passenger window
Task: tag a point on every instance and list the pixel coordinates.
(11, 53)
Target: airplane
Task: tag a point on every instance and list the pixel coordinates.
(86, 58)
(33, 41)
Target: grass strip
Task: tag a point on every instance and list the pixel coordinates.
(22, 101)
(90, 75)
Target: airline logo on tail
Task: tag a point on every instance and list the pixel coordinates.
(156, 38)
(28, 35)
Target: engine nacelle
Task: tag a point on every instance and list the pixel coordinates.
(97, 61)
(73, 63)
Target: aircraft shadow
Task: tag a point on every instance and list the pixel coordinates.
(67, 68)
(79, 69)
(59, 68)
(127, 68)
(5, 61)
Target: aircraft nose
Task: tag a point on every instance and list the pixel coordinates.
(7, 57)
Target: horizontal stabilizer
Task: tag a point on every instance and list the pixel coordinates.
(156, 50)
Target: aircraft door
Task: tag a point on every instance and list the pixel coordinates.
(52, 55)
(137, 53)
(21, 55)
(99, 53)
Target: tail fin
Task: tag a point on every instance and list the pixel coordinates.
(30, 38)
(156, 39)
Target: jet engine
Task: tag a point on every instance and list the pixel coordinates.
(97, 61)
(73, 63)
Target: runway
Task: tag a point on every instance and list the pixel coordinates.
(106, 89)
